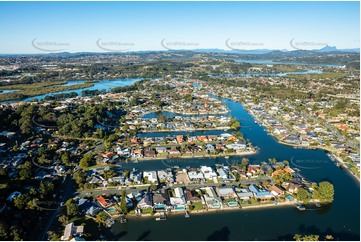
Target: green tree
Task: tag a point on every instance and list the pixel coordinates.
(71, 207)
(302, 194)
(123, 203)
(324, 192)
(86, 161)
(101, 217)
(3, 230)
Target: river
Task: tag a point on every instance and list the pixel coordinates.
(341, 219)
(100, 85)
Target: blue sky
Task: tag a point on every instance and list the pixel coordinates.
(77, 26)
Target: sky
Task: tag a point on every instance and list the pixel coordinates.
(38, 27)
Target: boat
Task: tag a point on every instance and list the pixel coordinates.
(318, 205)
(186, 215)
(331, 156)
(123, 220)
(255, 122)
(227, 157)
(301, 208)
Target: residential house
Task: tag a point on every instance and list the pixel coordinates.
(226, 192)
(208, 172)
(275, 190)
(178, 200)
(151, 176)
(72, 231)
(244, 194)
(192, 196)
(146, 201)
(161, 200)
(261, 194)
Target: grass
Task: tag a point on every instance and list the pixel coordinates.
(147, 210)
(197, 206)
(355, 170)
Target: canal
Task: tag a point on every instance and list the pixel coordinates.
(341, 219)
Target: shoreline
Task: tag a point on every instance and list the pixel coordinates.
(186, 130)
(212, 211)
(191, 157)
(259, 122)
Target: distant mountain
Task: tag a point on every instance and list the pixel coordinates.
(328, 48)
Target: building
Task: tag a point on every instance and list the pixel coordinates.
(244, 194)
(208, 172)
(146, 201)
(260, 193)
(72, 231)
(161, 200)
(226, 192)
(151, 176)
(178, 200)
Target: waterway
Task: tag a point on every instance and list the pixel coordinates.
(100, 85)
(341, 219)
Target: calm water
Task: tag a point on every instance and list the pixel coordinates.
(7, 91)
(341, 219)
(100, 85)
(271, 62)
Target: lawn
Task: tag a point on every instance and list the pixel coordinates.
(197, 206)
(147, 210)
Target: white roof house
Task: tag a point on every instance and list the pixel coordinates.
(151, 176)
(208, 172)
(195, 175)
(179, 198)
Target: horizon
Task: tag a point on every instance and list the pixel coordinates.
(101, 27)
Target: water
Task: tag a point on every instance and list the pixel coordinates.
(7, 91)
(271, 62)
(271, 74)
(100, 85)
(71, 83)
(341, 219)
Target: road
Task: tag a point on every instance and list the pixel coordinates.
(69, 192)
(189, 186)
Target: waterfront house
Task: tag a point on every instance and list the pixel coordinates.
(223, 172)
(105, 203)
(195, 176)
(135, 176)
(208, 172)
(178, 200)
(72, 231)
(151, 176)
(174, 150)
(161, 149)
(226, 192)
(166, 176)
(211, 199)
(261, 194)
(180, 139)
(161, 199)
(244, 194)
(192, 196)
(149, 153)
(146, 201)
(275, 190)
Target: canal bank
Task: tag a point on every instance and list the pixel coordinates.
(341, 219)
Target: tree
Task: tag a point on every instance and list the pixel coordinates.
(272, 161)
(3, 230)
(79, 177)
(302, 194)
(324, 192)
(71, 207)
(123, 203)
(21, 201)
(25, 171)
(63, 219)
(101, 218)
(65, 158)
(86, 161)
(45, 188)
(286, 162)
